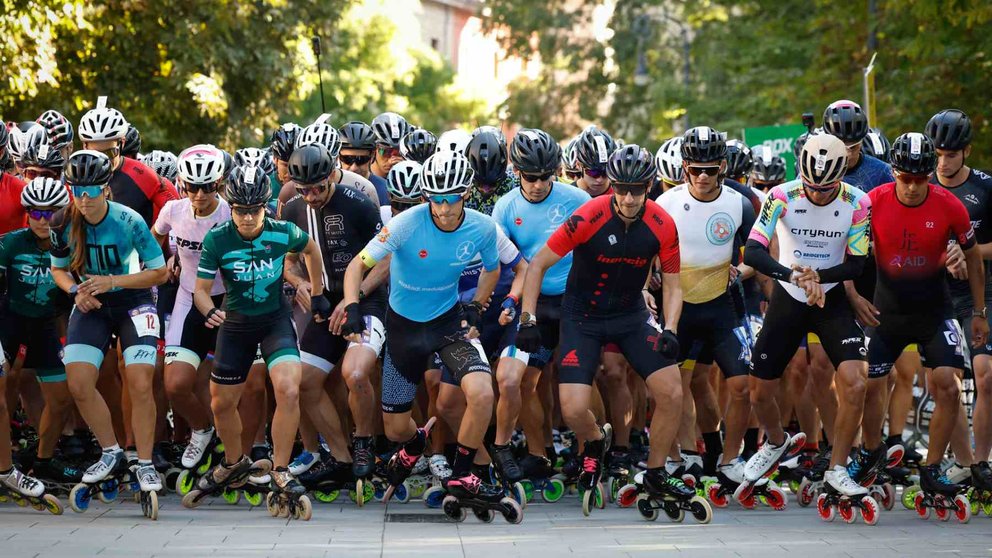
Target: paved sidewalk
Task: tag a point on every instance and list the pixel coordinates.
(343, 530)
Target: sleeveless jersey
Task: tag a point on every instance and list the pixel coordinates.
(813, 235)
(189, 231)
(31, 291)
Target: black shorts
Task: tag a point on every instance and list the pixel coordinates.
(187, 337)
(712, 331)
(940, 341)
(40, 339)
(129, 315)
(410, 352)
(548, 316)
(789, 320)
(963, 308)
(322, 349)
(582, 341)
(495, 337)
(165, 301)
(240, 337)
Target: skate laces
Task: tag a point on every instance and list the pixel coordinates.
(106, 462)
(405, 459)
(589, 464)
(470, 482)
(362, 455)
(24, 481)
(148, 474)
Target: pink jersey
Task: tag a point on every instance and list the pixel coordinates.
(189, 231)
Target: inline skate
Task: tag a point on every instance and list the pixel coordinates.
(942, 496)
(869, 469)
(980, 493)
(401, 465)
(23, 490)
(506, 473)
(841, 496)
(57, 475)
(469, 492)
(588, 483)
(655, 489)
(288, 497)
(440, 473)
(329, 477)
(102, 480)
(222, 479)
(765, 462)
(539, 475)
(729, 477)
(200, 462)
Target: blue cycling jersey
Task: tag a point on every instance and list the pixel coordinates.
(117, 245)
(869, 173)
(428, 262)
(529, 225)
(381, 188)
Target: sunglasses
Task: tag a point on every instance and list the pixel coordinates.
(852, 146)
(388, 151)
(32, 173)
(823, 188)
(402, 205)
(247, 210)
(595, 173)
(41, 214)
(355, 159)
(632, 189)
(449, 199)
(110, 152)
(206, 188)
(915, 178)
(305, 189)
(88, 191)
(537, 177)
(573, 175)
(710, 171)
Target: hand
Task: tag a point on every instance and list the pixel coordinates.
(654, 281)
(509, 312)
(321, 308)
(175, 268)
(956, 264)
(354, 326)
(96, 284)
(528, 338)
(734, 273)
(473, 318)
(864, 311)
(394, 160)
(651, 304)
(814, 292)
(668, 345)
(86, 302)
(979, 331)
(303, 295)
(215, 317)
(337, 319)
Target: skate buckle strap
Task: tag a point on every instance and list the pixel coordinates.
(405, 459)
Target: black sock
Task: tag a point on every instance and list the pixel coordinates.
(714, 447)
(893, 440)
(416, 445)
(450, 449)
(750, 441)
(550, 453)
(593, 448)
(464, 457)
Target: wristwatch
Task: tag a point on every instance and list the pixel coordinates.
(983, 313)
(73, 289)
(527, 318)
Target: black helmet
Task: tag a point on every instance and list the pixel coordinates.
(228, 163)
(631, 164)
(594, 147)
(389, 128)
(950, 129)
(310, 164)
(488, 158)
(876, 145)
(284, 141)
(357, 135)
(418, 145)
(88, 168)
(846, 120)
(703, 144)
(797, 146)
(37, 150)
(914, 153)
(249, 186)
(739, 160)
(534, 151)
(767, 166)
(132, 142)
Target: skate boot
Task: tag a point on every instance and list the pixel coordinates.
(692, 474)
(440, 473)
(401, 464)
(617, 471)
(202, 459)
(843, 496)
(198, 446)
(655, 489)
(811, 484)
(149, 483)
(766, 460)
(938, 493)
(593, 455)
(506, 464)
(225, 480)
(869, 469)
(363, 459)
(302, 463)
(482, 498)
(539, 475)
(103, 479)
(288, 498)
(58, 476)
(981, 488)
(23, 490)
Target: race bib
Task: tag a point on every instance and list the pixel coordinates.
(145, 320)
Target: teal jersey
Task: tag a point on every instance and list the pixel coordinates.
(251, 269)
(118, 245)
(30, 289)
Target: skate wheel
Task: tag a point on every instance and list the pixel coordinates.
(869, 510)
(434, 497)
(846, 511)
(327, 497)
(825, 510)
(149, 504)
(920, 505)
(528, 488)
(588, 502)
(52, 504)
(453, 509)
(109, 491)
(231, 496)
(283, 510)
(484, 515)
(519, 494)
(402, 492)
(627, 496)
(806, 494)
(192, 499)
(38, 506)
(701, 510)
(942, 513)
(673, 511)
(909, 496)
(888, 496)
(962, 510)
(304, 509)
(358, 494)
(171, 477)
(272, 504)
(253, 498)
(599, 497)
(987, 508)
(646, 507)
(714, 494)
(368, 492)
(79, 498)
(553, 490)
(743, 491)
(689, 481)
(749, 503)
(184, 482)
(775, 497)
(512, 511)
(794, 486)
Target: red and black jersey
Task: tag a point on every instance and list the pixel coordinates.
(611, 260)
(141, 189)
(910, 246)
(12, 213)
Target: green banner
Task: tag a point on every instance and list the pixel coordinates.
(780, 139)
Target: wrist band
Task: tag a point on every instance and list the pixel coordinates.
(515, 300)
(211, 313)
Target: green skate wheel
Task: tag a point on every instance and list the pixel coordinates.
(253, 498)
(231, 496)
(909, 496)
(553, 490)
(185, 483)
(327, 497)
(203, 468)
(528, 488)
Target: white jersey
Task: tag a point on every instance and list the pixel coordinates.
(189, 231)
(706, 239)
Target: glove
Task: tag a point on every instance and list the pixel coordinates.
(320, 307)
(511, 305)
(353, 322)
(528, 338)
(473, 315)
(668, 345)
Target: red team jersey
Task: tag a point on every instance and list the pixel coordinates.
(12, 214)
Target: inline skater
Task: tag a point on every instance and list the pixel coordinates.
(282, 143)
(132, 143)
(768, 171)
(164, 163)
(668, 159)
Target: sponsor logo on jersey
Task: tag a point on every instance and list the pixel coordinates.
(383, 235)
(574, 222)
(571, 359)
(908, 261)
(636, 262)
(422, 254)
(613, 239)
(719, 229)
(556, 214)
(971, 198)
(815, 233)
(465, 251)
(799, 211)
(518, 221)
(189, 244)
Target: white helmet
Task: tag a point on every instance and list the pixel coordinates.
(389, 128)
(45, 192)
(163, 163)
(201, 164)
(446, 172)
(668, 159)
(403, 181)
(569, 158)
(823, 160)
(101, 124)
(255, 157)
(322, 133)
(454, 140)
(17, 143)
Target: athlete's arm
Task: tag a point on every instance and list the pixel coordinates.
(519, 274)
(201, 298)
(756, 249)
(976, 280)
(757, 256)
(538, 266)
(353, 277)
(378, 276)
(311, 255)
(671, 296)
